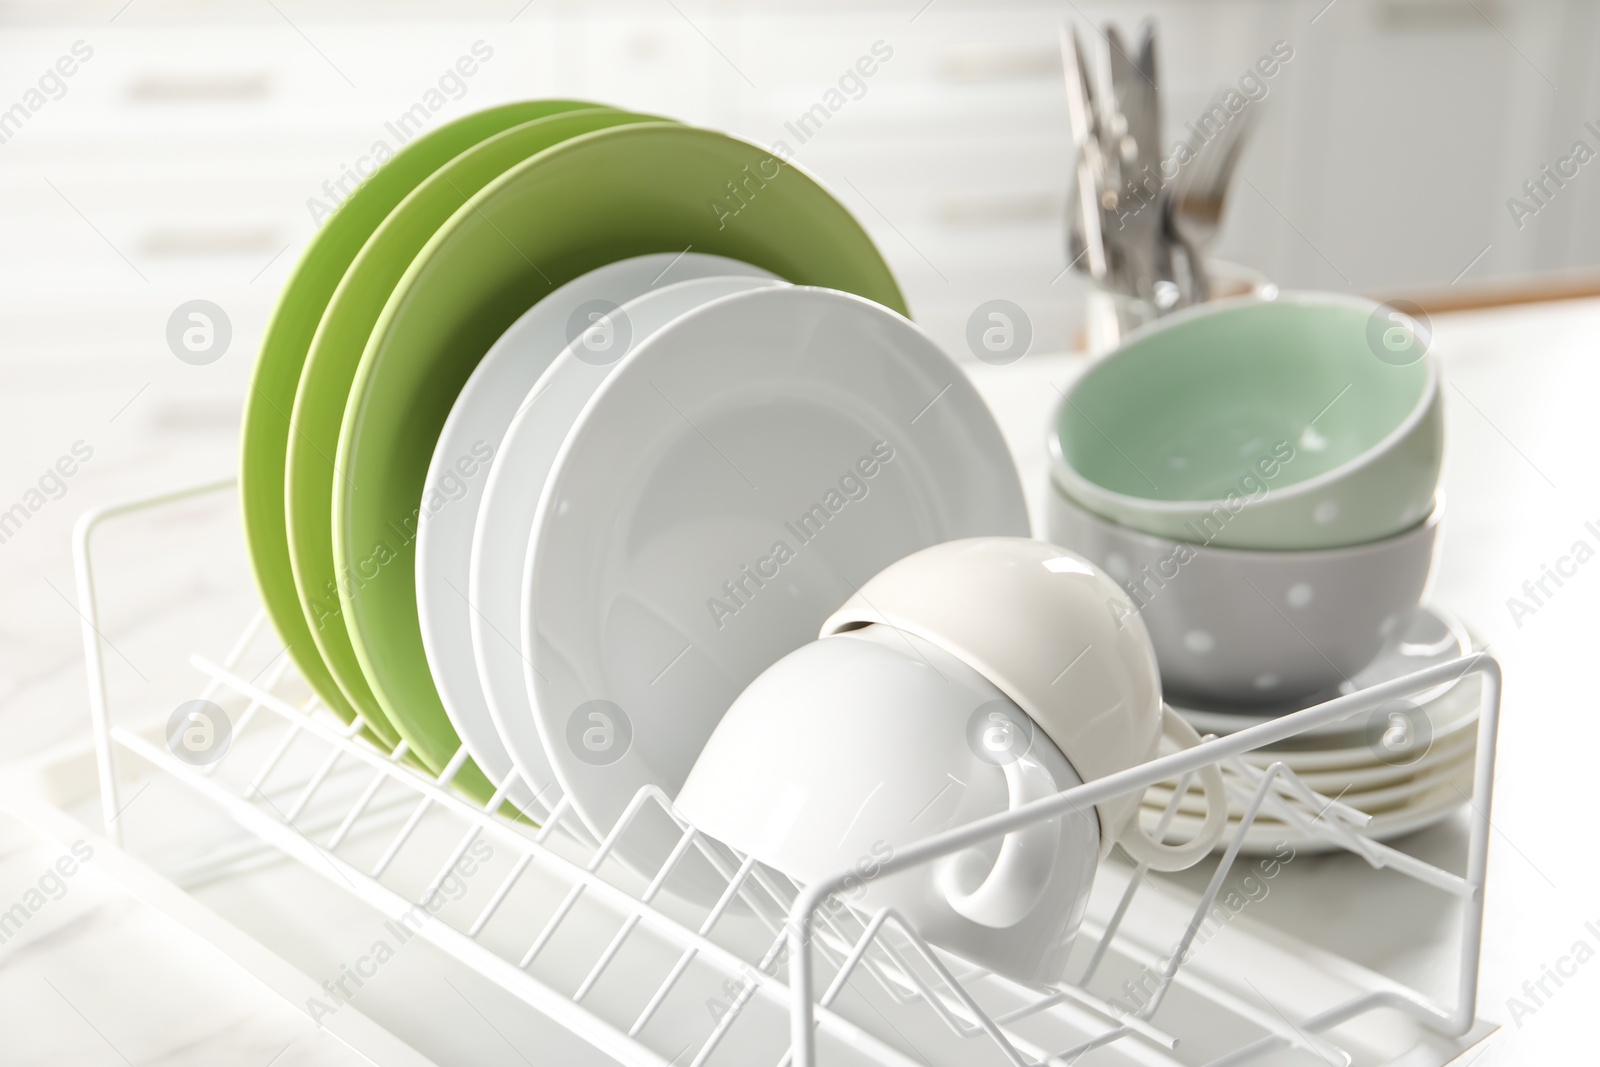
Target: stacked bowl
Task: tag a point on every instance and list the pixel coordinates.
(1261, 476)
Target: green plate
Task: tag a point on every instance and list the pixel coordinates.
(264, 435)
(330, 368)
(591, 201)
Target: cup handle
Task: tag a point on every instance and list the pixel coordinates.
(1164, 857)
(1021, 872)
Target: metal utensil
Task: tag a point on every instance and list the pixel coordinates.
(1196, 197)
(1085, 238)
(1139, 235)
(1115, 218)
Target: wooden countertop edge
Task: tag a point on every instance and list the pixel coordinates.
(1534, 290)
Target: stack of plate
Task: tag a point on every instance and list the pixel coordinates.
(572, 421)
(1408, 764)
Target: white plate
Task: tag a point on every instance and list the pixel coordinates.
(470, 438)
(505, 518)
(746, 425)
(1430, 636)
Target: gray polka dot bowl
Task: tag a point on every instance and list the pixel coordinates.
(1243, 627)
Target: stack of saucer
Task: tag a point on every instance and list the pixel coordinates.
(1261, 476)
(1408, 764)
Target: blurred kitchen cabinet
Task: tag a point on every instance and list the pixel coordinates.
(1404, 128)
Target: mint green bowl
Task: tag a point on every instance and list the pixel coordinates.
(1260, 424)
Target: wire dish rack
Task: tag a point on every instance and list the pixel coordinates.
(652, 970)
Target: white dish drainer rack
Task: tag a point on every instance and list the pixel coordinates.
(821, 982)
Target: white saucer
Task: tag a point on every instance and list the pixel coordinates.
(740, 474)
(1354, 784)
(533, 415)
(1342, 760)
(459, 472)
(1371, 796)
(1430, 636)
(1432, 801)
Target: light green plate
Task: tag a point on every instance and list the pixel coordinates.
(264, 435)
(591, 201)
(330, 368)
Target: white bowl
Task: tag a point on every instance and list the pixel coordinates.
(1256, 627)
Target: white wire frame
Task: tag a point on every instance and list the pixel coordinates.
(807, 923)
(1450, 1020)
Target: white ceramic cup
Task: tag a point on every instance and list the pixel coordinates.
(854, 746)
(1061, 639)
